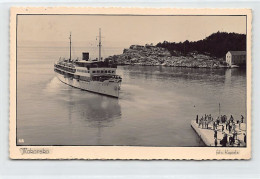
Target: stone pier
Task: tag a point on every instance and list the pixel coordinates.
(207, 135)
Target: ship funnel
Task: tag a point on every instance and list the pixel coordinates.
(85, 56)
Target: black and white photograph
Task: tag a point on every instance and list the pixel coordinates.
(132, 80)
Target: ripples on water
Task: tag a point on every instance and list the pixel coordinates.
(155, 107)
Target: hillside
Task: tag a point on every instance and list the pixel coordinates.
(154, 56)
(216, 45)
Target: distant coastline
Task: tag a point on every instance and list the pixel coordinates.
(207, 53)
(149, 55)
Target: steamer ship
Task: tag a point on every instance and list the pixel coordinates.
(98, 76)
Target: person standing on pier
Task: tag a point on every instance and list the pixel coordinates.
(200, 121)
(224, 119)
(230, 127)
(215, 134)
(227, 124)
(231, 118)
(216, 142)
(231, 139)
(234, 127)
(235, 135)
(245, 138)
(218, 121)
(242, 118)
(223, 142)
(204, 123)
(197, 119)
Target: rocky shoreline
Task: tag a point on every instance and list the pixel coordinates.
(149, 55)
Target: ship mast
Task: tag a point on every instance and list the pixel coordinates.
(70, 47)
(99, 46)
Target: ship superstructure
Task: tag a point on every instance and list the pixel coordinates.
(97, 76)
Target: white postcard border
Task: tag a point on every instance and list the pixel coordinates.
(123, 152)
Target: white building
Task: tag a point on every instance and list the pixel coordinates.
(236, 58)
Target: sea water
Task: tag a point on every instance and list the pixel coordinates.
(155, 106)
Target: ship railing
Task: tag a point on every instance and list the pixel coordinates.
(73, 70)
(110, 78)
(66, 69)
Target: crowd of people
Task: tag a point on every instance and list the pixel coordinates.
(219, 124)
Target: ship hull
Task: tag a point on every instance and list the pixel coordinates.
(104, 88)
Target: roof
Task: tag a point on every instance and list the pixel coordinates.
(237, 52)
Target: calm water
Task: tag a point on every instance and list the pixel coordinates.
(155, 107)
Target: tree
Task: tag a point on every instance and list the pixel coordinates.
(217, 44)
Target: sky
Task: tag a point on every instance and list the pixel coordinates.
(123, 31)
(118, 32)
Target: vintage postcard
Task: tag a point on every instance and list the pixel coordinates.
(130, 83)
